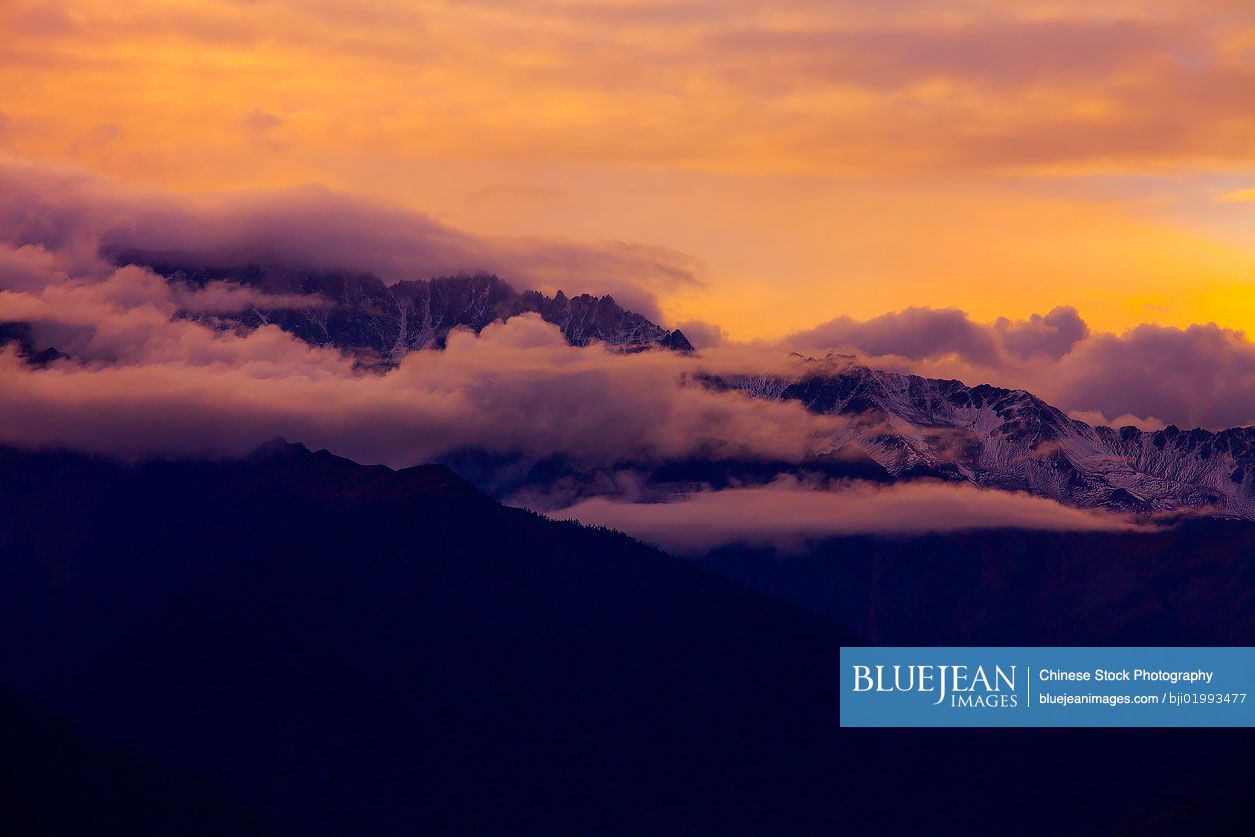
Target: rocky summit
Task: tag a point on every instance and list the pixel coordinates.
(379, 323)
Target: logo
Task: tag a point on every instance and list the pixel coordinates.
(963, 686)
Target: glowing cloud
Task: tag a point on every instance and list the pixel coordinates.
(785, 514)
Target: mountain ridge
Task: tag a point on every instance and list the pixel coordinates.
(387, 660)
(395, 662)
(380, 323)
(1010, 439)
(908, 425)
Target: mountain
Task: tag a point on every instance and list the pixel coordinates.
(380, 323)
(1187, 584)
(559, 480)
(21, 335)
(1012, 440)
(353, 650)
(347, 649)
(900, 426)
(55, 782)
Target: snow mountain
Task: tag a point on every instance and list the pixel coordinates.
(1012, 440)
(899, 426)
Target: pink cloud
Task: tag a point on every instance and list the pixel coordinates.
(74, 214)
(1203, 375)
(167, 386)
(914, 333)
(786, 513)
(1200, 376)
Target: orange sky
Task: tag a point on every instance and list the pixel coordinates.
(820, 158)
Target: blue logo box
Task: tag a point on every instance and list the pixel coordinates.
(1047, 687)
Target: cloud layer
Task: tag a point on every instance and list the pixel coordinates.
(786, 514)
(1002, 158)
(724, 85)
(74, 215)
(1200, 376)
(144, 379)
(143, 383)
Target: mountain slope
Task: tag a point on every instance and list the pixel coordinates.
(1012, 440)
(53, 782)
(1188, 584)
(349, 649)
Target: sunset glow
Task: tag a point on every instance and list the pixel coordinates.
(555, 416)
(852, 157)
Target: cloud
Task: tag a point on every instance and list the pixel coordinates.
(787, 513)
(1095, 418)
(30, 267)
(999, 52)
(71, 212)
(914, 333)
(924, 333)
(261, 124)
(702, 335)
(122, 318)
(142, 383)
(229, 298)
(1053, 334)
(1203, 375)
(730, 85)
(1239, 196)
(1199, 376)
(97, 139)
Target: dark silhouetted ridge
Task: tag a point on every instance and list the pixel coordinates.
(348, 649)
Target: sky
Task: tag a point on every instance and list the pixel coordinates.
(808, 160)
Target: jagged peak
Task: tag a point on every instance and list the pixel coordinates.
(276, 448)
(1011, 439)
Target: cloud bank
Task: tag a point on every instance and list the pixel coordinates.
(724, 85)
(787, 513)
(143, 379)
(75, 215)
(146, 384)
(1200, 376)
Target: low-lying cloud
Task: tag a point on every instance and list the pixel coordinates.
(131, 316)
(178, 387)
(787, 514)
